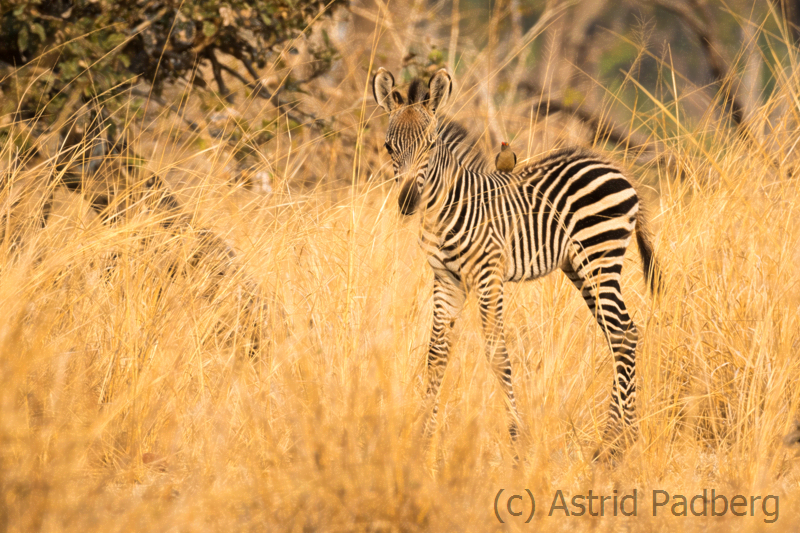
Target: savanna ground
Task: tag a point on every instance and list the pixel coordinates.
(129, 400)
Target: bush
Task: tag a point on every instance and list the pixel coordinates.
(100, 47)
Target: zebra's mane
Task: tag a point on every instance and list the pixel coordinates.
(462, 143)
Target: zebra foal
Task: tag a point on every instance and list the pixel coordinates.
(481, 228)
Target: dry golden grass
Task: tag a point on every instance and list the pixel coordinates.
(127, 401)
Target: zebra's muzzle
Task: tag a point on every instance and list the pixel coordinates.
(408, 198)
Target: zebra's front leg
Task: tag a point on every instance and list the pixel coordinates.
(490, 295)
(448, 299)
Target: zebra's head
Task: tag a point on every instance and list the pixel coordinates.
(412, 129)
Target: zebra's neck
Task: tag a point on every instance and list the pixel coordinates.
(442, 167)
(454, 152)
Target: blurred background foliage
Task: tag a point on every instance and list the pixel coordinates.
(56, 55)
(601, 68)
(96, 48)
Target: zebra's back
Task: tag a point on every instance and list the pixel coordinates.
(569, 206)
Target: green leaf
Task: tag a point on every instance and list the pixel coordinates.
(22, 40)
(134, 161)
(115, 39)
(436, 57)
(39, 31)
(209, 29)
(200, 143)
(572, 97)
(69, 69)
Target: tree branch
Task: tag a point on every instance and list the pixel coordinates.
(216, 68)
(603, 128)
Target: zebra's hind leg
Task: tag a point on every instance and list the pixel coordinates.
(490, 297)
(598, 282)
(448, 299)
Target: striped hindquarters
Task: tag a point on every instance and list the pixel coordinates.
(570, 206)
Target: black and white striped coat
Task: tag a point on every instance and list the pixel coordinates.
(571, 210)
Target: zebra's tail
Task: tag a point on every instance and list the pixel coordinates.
(652, 271)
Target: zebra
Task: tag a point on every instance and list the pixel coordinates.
(481, 228)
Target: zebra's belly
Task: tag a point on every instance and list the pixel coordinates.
(516, 258)
(525, 259)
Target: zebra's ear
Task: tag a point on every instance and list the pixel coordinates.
(439, 89)
(382, 90)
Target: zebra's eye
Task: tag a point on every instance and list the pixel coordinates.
(388, 148)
